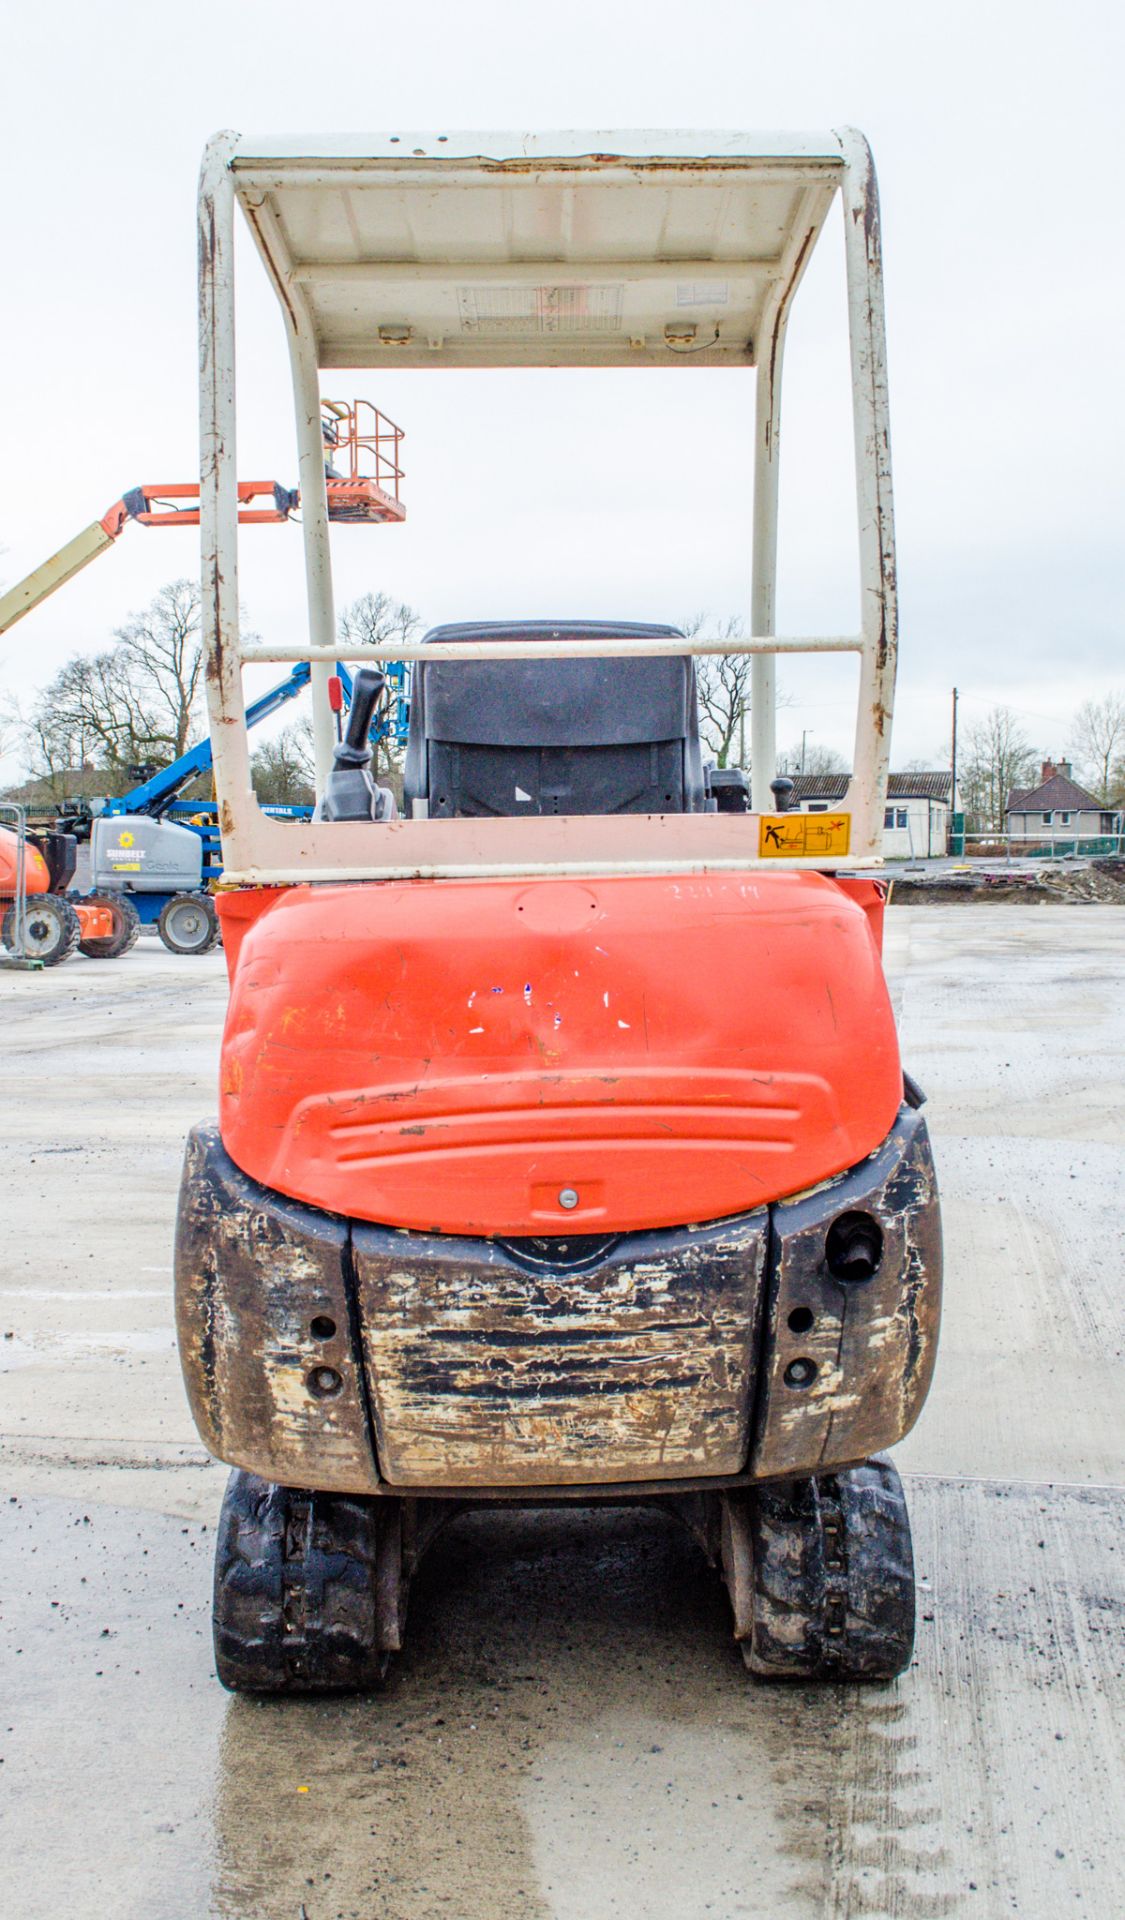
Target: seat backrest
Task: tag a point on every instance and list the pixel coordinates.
(554, 736)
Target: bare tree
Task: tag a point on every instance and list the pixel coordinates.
(996, 758)
(134, 703)
(94, 713)
(283, 769)
(162, 652)
(723, 683)
(11, 721)
(814, 757)
(59, 751)
(1098, 743)
(376, 620)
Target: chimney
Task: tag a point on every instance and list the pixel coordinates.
(1064, 768)
(1049, 771)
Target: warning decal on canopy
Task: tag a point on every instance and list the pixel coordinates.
(792, 836)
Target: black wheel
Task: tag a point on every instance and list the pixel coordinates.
(297, 1576)
(126, 927)
(189, 923)
(823, 1575)
(51, 929)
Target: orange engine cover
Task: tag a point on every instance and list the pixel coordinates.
(454, 1056)
(36, 873)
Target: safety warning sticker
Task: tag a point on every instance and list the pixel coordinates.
(792, 836)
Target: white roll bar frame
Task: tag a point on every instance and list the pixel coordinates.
(260, 850)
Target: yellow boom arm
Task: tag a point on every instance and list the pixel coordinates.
(62, 566)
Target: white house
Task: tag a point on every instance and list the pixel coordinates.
(916, 822)
(1057, 808)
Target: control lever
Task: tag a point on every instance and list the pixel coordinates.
(349, 791)
(367, 686)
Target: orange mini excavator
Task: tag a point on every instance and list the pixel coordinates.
(38, 922)
(564, 1151)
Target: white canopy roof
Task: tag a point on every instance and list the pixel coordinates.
(558, 249)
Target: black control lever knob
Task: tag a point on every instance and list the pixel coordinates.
(367, 689)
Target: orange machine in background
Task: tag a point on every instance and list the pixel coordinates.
(44, 926)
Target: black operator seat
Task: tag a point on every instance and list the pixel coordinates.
(554, 736)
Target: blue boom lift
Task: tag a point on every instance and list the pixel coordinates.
(155, 856)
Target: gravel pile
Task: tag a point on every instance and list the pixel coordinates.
(1095, 882)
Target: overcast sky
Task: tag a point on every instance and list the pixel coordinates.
(626, 494)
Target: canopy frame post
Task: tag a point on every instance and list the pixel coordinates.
(218, 502)
(763, 590)
(318, 558)
(874, 494)
(300, 335)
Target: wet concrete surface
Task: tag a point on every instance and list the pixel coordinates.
(571, 1733)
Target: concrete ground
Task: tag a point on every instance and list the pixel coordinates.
(571, 1733)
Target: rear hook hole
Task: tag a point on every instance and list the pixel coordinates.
(322, 1327)
(801, 1320)
(854, 1247)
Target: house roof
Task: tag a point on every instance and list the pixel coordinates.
(1058, 791)
(820, 786)
(918, 786)
(900, 786)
